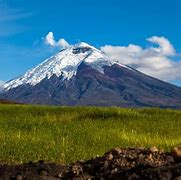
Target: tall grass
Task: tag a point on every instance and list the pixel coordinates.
(65, 134)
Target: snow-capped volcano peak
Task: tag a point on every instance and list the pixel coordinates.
(64, 63)
(84, 45)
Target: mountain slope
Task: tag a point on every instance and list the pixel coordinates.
(83, 75)
(64, 63)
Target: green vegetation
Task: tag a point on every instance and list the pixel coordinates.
(64, 134)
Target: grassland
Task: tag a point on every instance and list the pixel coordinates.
(64, 134)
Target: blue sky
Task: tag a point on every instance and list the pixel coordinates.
(24, 25)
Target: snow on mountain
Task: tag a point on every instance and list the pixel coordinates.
(1, 86)
(65, 64)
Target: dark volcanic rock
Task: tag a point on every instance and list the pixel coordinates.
(118, 86)
(119, 163)
(176, 152)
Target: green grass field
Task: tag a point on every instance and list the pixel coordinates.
(64, 134)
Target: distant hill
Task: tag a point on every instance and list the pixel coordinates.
(2, 101)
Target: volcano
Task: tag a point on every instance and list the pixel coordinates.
(82, 75)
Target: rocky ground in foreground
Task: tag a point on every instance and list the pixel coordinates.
(119, 163)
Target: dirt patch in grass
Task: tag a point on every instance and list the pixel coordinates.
(119, 163)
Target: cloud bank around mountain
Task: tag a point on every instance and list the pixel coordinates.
(156, 60)
(50, 40)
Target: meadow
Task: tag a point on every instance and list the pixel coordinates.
(67, 134)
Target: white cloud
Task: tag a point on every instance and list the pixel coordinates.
(50, 40)
(154, 61)
(165, 47)
(63, 43)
